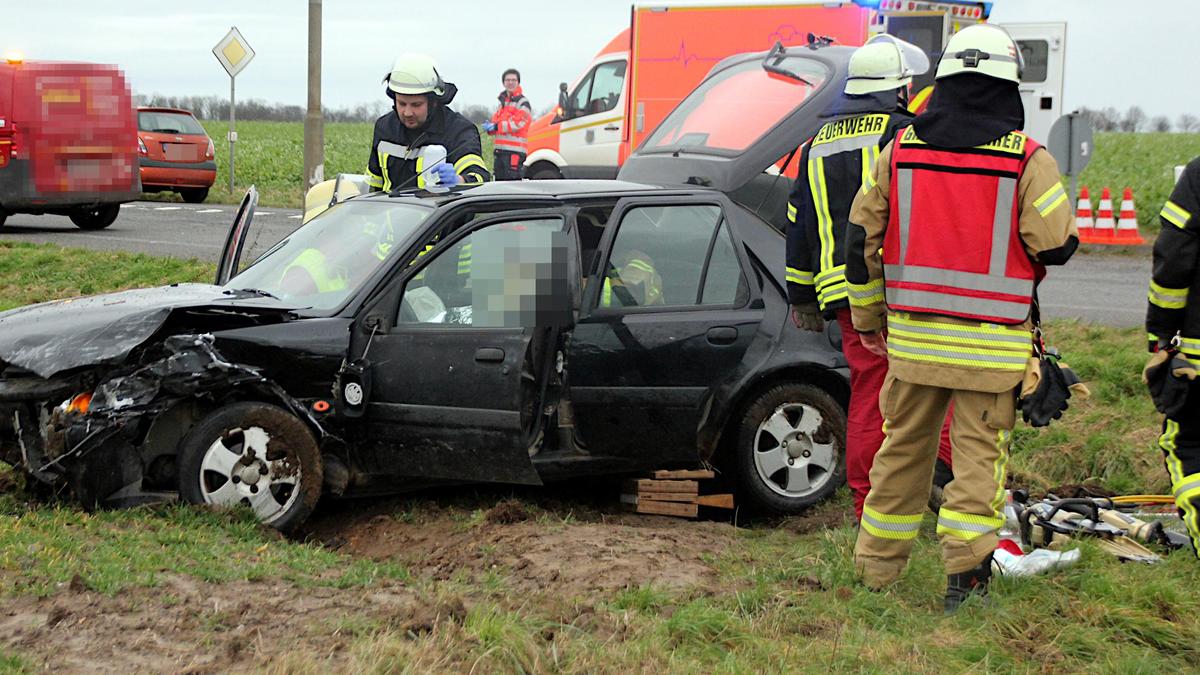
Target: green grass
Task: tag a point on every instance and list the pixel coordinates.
(1145, 162)
(779, 602)
(32, 273)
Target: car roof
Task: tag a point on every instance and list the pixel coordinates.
(552, 189)
(154, 108)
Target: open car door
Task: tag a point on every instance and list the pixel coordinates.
(456, 358)
(231, 254)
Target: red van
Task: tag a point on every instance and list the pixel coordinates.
(68, 141)
(175, 153)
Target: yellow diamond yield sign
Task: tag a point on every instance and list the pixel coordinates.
(233, 52)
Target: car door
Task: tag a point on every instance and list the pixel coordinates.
(668, 315)
(458, 349)
(230, 262)
(589, 140)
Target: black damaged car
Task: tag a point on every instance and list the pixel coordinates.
(513, 332)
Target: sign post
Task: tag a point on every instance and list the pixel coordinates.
(234, 53)
(1071, 144)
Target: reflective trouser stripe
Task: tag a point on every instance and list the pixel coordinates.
(863, 295)
(965, 525)
(1186, 488)
(1175, 214)
(801, 277)
(1167, 298)
(791, 212)
(889, 526)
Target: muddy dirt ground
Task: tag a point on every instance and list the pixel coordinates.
(559, 549)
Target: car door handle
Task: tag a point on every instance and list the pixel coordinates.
(613, 127)
(489, 355)
(722, 335)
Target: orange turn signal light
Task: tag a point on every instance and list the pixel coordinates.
(80, 403)
(321, 406)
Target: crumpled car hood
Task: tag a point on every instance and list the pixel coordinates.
(54, 337)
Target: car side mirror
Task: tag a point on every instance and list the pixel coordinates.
(564, 103)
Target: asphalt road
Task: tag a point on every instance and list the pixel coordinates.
(1108, 289)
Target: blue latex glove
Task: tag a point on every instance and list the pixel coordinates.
(446, 174)
(489, 127)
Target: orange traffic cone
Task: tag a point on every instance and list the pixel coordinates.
(1106, 226)
(1083, 216)
(1127, 227)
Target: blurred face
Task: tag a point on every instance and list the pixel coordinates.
(511, 82)
(413, 110)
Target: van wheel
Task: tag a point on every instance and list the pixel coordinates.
(791, 449)
(544, 171)
(96, 217)
(194, 195)
(256, 455)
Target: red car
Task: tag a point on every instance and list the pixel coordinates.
(175, 153)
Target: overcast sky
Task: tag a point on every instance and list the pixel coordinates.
(1118, 52)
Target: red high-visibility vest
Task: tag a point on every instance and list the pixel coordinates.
(953, 244)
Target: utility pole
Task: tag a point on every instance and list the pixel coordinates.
(314, 121)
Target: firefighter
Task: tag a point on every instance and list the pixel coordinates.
(402, 151)
(946, 242)
(509, 128)
(632, 281)
(832, 163)
(1173, 324)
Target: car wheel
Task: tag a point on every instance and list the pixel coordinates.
(544, 171)
(194, 195)
(96, 217)
(253, 454)
(791, 449)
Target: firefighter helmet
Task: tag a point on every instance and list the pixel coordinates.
(883, 64)
(986, 49)
(415, 74)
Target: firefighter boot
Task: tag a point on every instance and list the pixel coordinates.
(965, 584)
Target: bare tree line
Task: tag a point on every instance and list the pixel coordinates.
(1134, 119)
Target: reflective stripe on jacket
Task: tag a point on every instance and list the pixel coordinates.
(954, 247)
(396, 162)
(313, 262)
(1173, 308)
(833, 165)
(512, 121)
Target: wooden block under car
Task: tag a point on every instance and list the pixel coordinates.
(684, 474)
(648, 485)
(660, 508)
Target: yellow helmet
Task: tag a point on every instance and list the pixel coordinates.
(415, 74)
(883, 64)
(325, 194)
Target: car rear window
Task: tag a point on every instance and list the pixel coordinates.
(168, 123)
(737, 106)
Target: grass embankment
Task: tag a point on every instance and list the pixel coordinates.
(778, 596)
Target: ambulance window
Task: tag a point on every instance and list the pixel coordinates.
(1037, 56)
(599, 91)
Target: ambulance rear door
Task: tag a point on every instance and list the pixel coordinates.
(1044, 48)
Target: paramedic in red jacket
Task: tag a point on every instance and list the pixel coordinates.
(509, 128)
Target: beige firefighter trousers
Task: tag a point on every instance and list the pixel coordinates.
(903, 471)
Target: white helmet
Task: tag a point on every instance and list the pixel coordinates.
(983, 48)
(884, 63)
(415, 74)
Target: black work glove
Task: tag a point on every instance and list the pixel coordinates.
(1049, 400)
(1168, 376)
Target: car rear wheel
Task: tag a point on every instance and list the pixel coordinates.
(194, 195)
(791, 449)
(96, 217)
(256, 455)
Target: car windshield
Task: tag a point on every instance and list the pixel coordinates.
(734, 108)
(320, 264)
(169, 123)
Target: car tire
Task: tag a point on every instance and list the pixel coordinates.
(255, 454)
(194, 195)
(96, 217)
(544, 171)
(790, 449)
